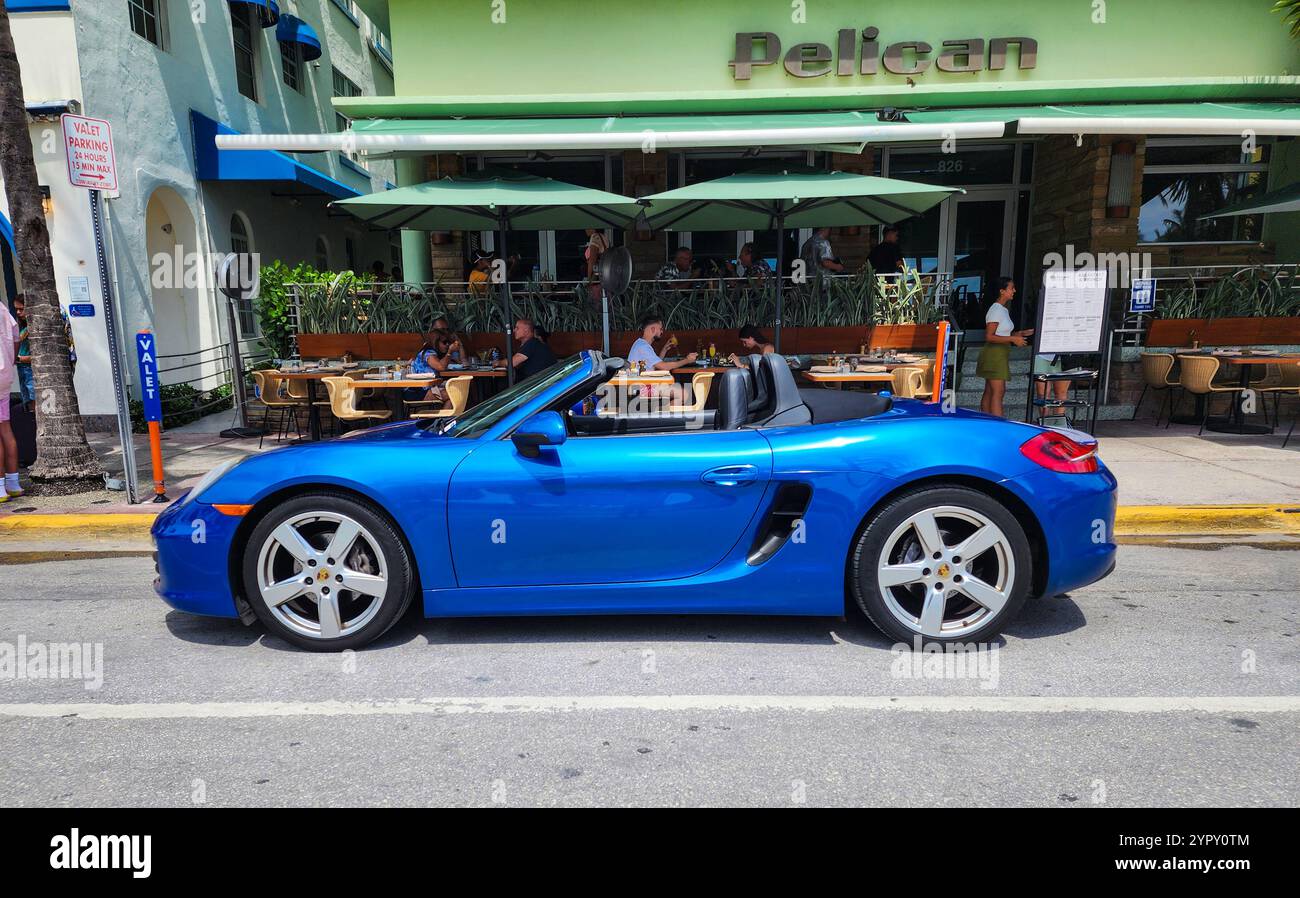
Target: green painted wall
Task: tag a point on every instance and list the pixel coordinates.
(1159, 49)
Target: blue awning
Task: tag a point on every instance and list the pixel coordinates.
(293, 30)
(7, 233)
(213, 164)
(268, 10)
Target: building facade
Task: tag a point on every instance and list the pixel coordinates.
(168, 75)
(1074, 129)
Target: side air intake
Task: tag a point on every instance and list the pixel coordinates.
(782, 519)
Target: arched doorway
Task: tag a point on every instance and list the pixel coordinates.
(179, 324)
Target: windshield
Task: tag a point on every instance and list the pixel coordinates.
(487, 413)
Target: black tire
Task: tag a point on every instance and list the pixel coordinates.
(396, 559)
(868, 552)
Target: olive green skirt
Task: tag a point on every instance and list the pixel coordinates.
(994, 362)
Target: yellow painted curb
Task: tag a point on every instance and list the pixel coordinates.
(1130, 520)
(1163, 520)
(89, 522)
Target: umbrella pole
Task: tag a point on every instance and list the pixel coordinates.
(502, 224)
(604, 317)
(780, 268)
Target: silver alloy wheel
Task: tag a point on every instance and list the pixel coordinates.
(322, 574)
(945, 570)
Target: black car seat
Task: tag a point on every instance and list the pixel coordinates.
(785, 407)
(759, 396)
(733, 400)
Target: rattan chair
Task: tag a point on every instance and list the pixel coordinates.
(908, 381)
(343, 402)
(1157, 371)
(270, 389)
(1196, 376)
(1286, 383)
(457, 393)
(701, 382)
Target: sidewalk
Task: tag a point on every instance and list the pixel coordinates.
(1155, 467)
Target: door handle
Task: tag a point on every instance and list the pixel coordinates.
(731, 475)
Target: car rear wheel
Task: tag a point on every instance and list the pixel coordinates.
(327, 572)
(948, 564)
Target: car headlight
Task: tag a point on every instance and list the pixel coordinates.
(211, 477)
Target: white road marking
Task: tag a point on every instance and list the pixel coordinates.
(532, 704)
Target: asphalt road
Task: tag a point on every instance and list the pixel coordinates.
(1173, 682)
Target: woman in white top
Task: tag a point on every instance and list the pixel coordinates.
(995, 358)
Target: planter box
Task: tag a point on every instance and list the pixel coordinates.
(1223, 331)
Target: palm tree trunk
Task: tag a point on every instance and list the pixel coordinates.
(62, 450)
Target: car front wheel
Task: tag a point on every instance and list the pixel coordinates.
(327, 572)
(947, 564)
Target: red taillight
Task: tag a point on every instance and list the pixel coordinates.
(1057, 452)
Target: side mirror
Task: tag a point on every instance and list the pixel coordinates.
(541, 429)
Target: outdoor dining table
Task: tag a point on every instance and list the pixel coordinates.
(1235, 421)
(840, 378)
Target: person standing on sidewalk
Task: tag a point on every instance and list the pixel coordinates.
(26, 386)
(995, 358)
(8, 366)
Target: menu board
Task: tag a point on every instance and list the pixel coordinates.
(1073, 311)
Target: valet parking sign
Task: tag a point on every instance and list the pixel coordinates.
(89, 144)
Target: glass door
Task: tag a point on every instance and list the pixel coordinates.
(978, 252)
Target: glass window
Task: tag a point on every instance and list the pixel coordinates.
(291, 64)
(344, 86)
(969, 165)
(245, 40)
(1184, 180)
(147, 21)
(350, 250)
(322, 254)
(1172, 206)
(241, 242)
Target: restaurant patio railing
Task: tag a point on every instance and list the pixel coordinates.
(346, 305)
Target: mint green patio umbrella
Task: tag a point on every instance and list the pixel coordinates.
(498, 199)
(776, 199)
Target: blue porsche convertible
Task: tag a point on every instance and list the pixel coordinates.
(779, 500)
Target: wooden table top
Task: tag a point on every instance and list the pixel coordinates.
(849, 376)
(1245, 359)
(417, 382)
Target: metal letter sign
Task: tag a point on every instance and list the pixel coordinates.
(1142, 295)
(89, 144)
(147, 352)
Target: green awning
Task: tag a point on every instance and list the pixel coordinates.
(843, 131)
(1263, 119)
(1286, 199)
(838, 130)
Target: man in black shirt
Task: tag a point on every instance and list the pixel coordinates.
(532, 355)
(886, 257)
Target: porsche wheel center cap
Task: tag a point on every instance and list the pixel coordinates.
(322, 575)
(944, 570)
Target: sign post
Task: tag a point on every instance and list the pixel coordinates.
(146, 350)
(92, 164)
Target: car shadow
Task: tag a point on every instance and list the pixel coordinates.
(211, 630)
(1039, 619)
(666, 628)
